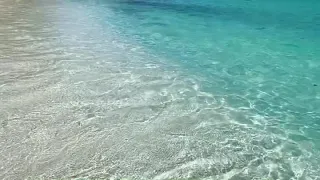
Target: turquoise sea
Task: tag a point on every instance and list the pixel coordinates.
(160, 89)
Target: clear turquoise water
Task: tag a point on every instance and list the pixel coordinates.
(220, 89)
(264, 51)
(264, 54)
(263, 57)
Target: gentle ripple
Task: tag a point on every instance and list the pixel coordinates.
(84, 97)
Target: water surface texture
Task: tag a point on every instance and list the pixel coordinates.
(160, 89)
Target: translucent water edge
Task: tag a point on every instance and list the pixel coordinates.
(102, 90)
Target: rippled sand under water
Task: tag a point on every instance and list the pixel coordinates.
(79, 101)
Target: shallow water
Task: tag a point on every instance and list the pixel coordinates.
(159, 89)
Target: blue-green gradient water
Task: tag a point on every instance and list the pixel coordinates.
(160, 89)
(266, 52)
